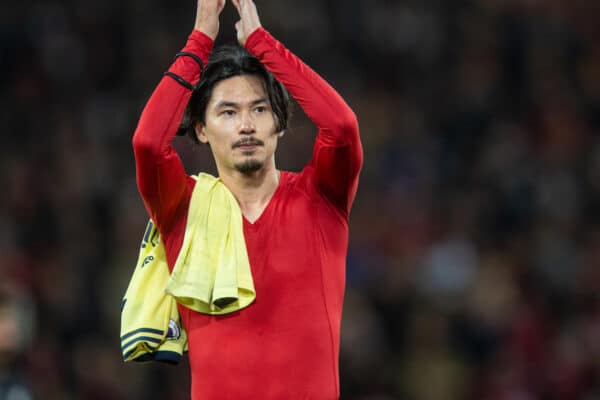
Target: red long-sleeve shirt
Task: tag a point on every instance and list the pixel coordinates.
(286, 344)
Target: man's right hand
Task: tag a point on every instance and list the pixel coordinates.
(207, 17)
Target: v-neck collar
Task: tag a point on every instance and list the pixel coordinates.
(267, 210)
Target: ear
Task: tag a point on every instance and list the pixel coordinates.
(280, 134)
(200, 133)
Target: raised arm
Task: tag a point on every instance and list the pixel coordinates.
(161, 178)
(337, 156)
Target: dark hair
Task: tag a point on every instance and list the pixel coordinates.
(226, 62)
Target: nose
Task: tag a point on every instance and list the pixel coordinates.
(247, 123)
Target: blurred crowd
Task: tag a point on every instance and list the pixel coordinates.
(474, 257)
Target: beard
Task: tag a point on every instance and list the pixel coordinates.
(248, 166)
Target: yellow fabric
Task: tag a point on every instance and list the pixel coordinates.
(150, 325)
(211, 275)
(212, 272)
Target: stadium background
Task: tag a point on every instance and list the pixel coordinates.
(474, 259)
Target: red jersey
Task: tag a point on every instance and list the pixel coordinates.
(286, 344)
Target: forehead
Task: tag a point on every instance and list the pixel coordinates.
(237, 89)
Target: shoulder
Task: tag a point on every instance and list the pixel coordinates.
(304, 184)
(300, 181)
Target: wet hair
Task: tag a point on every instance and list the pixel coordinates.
(226, 62)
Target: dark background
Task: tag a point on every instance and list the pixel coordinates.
(474, 257)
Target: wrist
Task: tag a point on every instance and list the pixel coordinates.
(210, 30)
(254, 37)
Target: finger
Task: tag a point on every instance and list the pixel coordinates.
(236, 3)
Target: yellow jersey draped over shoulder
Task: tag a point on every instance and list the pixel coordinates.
(211, 275)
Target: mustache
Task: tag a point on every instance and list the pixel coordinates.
(246, 141)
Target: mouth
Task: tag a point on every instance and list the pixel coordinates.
(247, 144)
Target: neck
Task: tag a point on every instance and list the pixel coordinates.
(252, 190)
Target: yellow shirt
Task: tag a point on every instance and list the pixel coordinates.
(211, 275)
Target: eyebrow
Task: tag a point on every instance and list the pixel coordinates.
(225, 104)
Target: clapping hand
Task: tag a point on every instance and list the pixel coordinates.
(249, 21)
(207, 17)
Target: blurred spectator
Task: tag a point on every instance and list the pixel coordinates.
(16, 319)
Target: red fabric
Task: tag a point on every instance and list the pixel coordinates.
(286, 344)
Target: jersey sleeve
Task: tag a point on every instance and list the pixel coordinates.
(160, 174)
(337, 153)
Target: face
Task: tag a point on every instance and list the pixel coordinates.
(239, 125)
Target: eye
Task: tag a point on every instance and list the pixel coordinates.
(228, 113)
(260, 109)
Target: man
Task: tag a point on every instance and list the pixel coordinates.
(285, 345)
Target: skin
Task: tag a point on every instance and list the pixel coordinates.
(207, 17)
(208, 12)
(239, 122)
(240, 128)
(249, 21)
